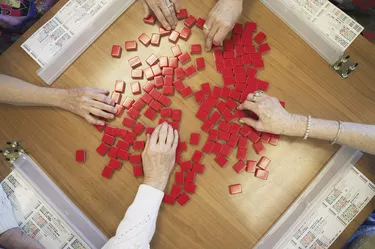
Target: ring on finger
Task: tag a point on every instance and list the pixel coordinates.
(256, 95)
(205, 27)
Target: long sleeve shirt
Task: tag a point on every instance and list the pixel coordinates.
(138, 226)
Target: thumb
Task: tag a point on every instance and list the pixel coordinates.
(249, 121)
(220, 36)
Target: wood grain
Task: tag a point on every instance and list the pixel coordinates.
(213, 218)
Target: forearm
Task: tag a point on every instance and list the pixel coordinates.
(17, 92)
(16, 239)
(358, 136)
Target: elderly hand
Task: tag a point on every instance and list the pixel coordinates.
(273, 118)
(166, 15)
(221, 21)
(159, 156)
(89, 102)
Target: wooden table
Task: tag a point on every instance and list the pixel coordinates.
(213, 218)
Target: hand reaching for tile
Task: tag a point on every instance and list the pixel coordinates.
(166, 15)
(159, 156)
(221, 20)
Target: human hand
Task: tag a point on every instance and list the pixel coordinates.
(273, 118)
(166, 15)
(159, 156)
(87, 102)
(221, 21)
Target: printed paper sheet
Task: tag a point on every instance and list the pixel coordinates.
(37, 218)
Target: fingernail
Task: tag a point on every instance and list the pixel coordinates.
(112, 116)
(216, 43)
(115, 110)
(207, 50)
(241, 121)
(168, 27)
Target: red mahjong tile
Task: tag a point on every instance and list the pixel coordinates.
(238, 28)
(240, 78)
(239, 166)
(190, 188)
(259, 147)
(182, 146)
(131, 45)
(149, 130)
(120, 86)
(152, 60)
(138, 171)
(80, 156)
(250, 26)
(241, 153)
(144, 39)
(137, 74)
(186, 92)
(200, 63)
(264, 163)
(176, 190)
(225, 126)
(229, 54)
(138, 128)
(233, 140)
(234, 94)
(227, 73)
(242, 143)
(249, 49)
(156, 70)
(190, 21)
(207, 126)
(176, 115)
(180, 73)
(120, 110)
(199, 96)
(265, 47)
(225, 92)
(223, 135)
(155, 105)
(123, 154)
(155, 39)
(235, 128)
(274, 140)
(116, 97)
(185, 33)
(253, 136)
(258, 64)
(221, 106)
(123, 145)
(168, 80)
(168, 71)
(194, 138)
(107, 172)
(135, 87)
(213, 135)
(217, 148)
(229, 81)
(202, 115)
(169, 199)
(115, 164)
(135, 159)
(180, 178)
(164, 100)
(102, 149)
(235, 189)
(139, 104)
(112, 153)
(265, 138)
(130, 137)
(198, 168)
(251, 166)
(133, 113)
(166, 112)
(206, 88)
(173, 62)
(262, 174)
(226, 150)
(150, 114)
(228, 63)
(100, 128)
(245, 130)
(116, 51)
(183, 199)
(176, 51)
(221, 160)
(163, 61)
(108, 139)
(200, 23)
(146, 98)
(185, 166)
(128, 122)
(228, 116)
(173, 37)
(150, 19)
(139, 145)
(185, 57)
(190, 70)
(215, 117)
(260, 37)
(182, 14)
(168, 90)
(163, 31)
(155, 94)
(208, 146)
(190, 177)
(148, 73)
(195, 48)
(148, 86)
(159, 81)
(246, 59)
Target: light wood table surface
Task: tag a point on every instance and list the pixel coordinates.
(213, 218)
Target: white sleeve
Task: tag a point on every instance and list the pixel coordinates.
(138, 226)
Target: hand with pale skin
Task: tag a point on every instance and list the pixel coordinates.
(221, 21)
(166, 15)
(159, 156)
(90, 103)
(273, 118)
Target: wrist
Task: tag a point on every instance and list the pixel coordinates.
(159, 183)
(298, 126)
(56, 97)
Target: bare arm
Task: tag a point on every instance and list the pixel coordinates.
(275, 119)
(89, 103)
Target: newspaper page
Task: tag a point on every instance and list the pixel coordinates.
(328, 19)
(341, 205)
(37, 218)
(59, 31)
